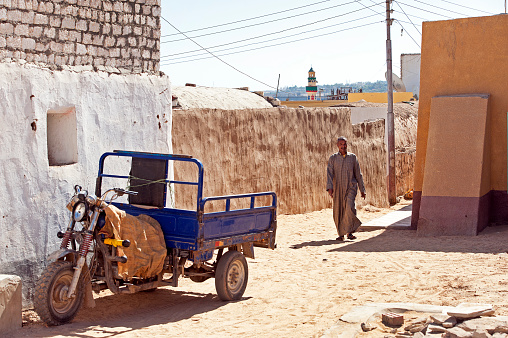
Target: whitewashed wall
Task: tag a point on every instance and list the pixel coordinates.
(112, 111)
(410, 72)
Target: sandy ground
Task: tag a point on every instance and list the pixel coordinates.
(305, 285)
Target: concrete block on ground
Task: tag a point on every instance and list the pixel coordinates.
(392, 319)
(10, 303)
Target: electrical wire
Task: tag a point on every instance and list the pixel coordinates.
(408, 18)
(256, 17)
(263, 23)
(425, 10)
(218, 58)
(273, 33)
(444, 9)
(255, 43)
(273, 45)
(453, 3)
(408, 33)
(418, 17)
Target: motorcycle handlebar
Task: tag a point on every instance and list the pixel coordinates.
(121, 191)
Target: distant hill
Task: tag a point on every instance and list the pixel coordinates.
(367, 87)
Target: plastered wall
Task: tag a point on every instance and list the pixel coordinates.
(467, 56)
(131, 112)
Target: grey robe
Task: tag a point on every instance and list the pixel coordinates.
(344, 177)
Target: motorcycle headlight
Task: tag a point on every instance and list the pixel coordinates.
(79, 212)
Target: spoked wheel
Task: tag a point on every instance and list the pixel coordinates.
(51, 302)
(231, 276)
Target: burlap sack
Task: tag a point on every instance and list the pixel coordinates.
(146, 254)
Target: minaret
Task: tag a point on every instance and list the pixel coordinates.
(311, 88)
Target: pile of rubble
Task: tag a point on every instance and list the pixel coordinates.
(459, 322)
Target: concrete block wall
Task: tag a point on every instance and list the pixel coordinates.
(119, 35)
(275, 149)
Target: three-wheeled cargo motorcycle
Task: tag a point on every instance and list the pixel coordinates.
(197, 244)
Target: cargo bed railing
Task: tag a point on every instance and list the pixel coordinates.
(156, 156)
(228, 199)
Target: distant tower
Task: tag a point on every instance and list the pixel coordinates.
(311, 89)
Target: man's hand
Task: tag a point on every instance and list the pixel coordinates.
(363, 195)
(330, 192)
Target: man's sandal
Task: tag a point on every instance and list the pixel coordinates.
(340, 238)
(351, 236)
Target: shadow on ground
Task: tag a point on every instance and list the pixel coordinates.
(404, 240)
(120, 314)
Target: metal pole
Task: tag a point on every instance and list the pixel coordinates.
(277, 93)
(392, 198)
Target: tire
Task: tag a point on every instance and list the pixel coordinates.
(231, 276)
(51, 303)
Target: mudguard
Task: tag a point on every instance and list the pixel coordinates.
(60, 253)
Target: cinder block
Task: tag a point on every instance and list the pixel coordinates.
(392, 319)
(10, 303)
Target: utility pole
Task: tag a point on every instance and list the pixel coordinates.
(392, 198)
(277, 93)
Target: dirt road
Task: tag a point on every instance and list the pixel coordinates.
(307, 283)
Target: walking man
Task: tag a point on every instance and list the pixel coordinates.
(344, 177)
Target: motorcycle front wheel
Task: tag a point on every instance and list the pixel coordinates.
(51, 301)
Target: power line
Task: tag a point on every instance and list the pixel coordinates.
(479, 10)
(238, 21)
(278, 32)
(256, 43)
(408, 33)
(425, 10)
(263, 23)
(399, 20)
(407, 18)
(218, 58)
(284, 37)
(444, 9)
(273, 45)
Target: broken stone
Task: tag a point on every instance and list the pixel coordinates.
(418, 328)
(464, 311)
(450, 322)
(481, 334)
(439, 318)
(501, 328)
(457, 332)
(499, 335)
(367, 327)
(490, 324)
(418, 335)
(432, 328)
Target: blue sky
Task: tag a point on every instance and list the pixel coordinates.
(343, 40)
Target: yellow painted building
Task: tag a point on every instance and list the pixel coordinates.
(380, 97)
(461, 155)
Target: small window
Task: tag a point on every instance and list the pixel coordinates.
(62, 136)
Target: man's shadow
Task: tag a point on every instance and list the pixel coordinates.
(319, 243)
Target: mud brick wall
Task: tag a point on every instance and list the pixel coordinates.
(282, 150)
(119, 35)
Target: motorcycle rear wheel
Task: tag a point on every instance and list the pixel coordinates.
(51, 302)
